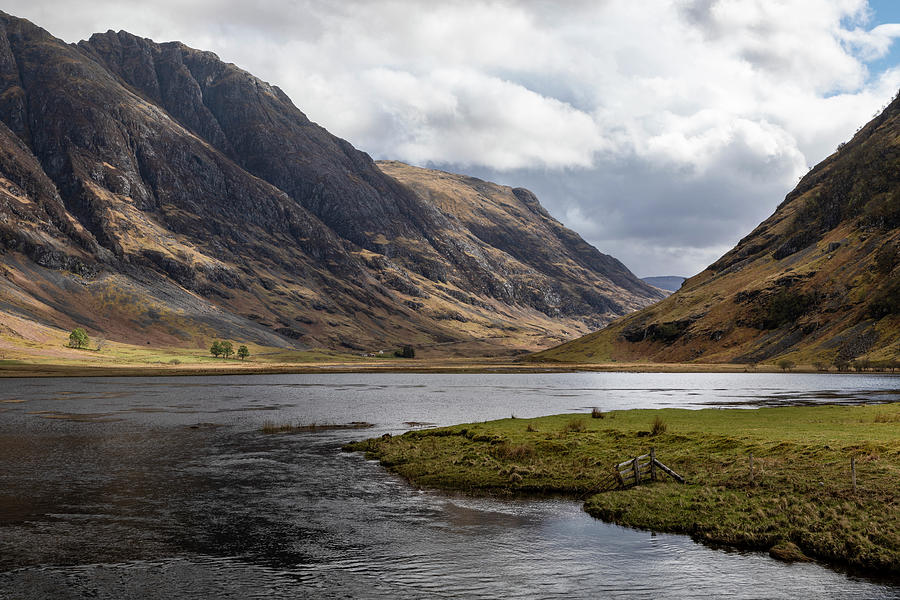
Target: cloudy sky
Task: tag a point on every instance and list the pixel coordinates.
(661, 130)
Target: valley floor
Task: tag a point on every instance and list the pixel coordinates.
(28, 349)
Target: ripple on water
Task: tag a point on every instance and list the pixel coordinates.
(150, 507)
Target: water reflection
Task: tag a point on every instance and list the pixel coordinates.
(183, 497)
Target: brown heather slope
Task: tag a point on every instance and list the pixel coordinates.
(538, 256)
(818, 281)
(155, 194)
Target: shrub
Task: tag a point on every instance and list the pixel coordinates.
(575, 425)
(507, 451)
(596, 413)
(658, 426)
(785, 364)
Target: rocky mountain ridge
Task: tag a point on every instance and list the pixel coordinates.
(153, 191)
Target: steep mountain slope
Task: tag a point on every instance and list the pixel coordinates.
(542, 261)
(818, 281)
(152, 191)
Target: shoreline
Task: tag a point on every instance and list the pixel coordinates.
(10, 369)
(799, 504)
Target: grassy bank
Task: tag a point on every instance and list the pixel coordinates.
(801, 491)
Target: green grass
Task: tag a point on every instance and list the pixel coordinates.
(801, 492)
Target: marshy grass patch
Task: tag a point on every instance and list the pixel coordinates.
(799, 490)
(887, 418)
(419, 424)
(575, 425)
(513, 452)
(287, 427)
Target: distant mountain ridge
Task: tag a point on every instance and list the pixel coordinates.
(153, 191)
(665, 282)
(817, 282)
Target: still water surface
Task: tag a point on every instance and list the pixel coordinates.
(165, 488)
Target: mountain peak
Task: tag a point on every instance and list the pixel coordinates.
(194, 199)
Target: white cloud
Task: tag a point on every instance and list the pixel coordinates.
(464, 117)
(662, 130)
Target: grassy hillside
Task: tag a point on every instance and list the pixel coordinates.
(817, 282)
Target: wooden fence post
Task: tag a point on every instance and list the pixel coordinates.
(637, 471)
(652, 464)
(853, 472)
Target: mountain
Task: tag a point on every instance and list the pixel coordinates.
(818, 281)
(670, 283)
(151, 192)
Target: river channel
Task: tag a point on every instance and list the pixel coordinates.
(160, 488)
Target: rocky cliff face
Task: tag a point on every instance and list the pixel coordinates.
(520, 253)
(153, 190)
(818, 281)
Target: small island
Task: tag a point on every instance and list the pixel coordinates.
(802, 482)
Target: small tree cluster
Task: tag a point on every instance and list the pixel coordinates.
(864, 364)
(78, 338)
(406, 351)
(223, 349)
(226, 350)
(786, 364)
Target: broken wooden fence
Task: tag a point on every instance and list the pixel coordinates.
(635, 470)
